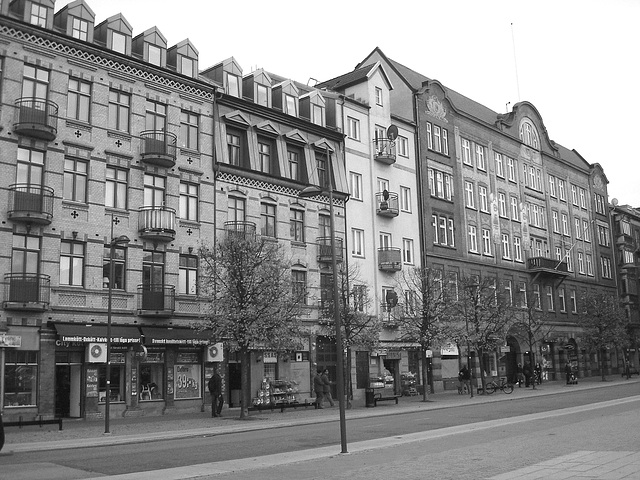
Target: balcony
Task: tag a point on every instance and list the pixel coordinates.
(158, 148)
(389, 259)
(30, 204)
(37, 118)
(547, 267)
(387, 204)
(157, 223)
(240, 229)
(156, 300)
(385, 151)
(26, 291)
(324, 249)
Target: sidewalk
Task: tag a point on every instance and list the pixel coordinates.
(82, 433)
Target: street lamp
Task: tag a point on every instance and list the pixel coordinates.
(311, 191)
(121, 240)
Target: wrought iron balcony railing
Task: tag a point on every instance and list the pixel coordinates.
(30, 203)
(36, 117)
(158, 148)
(26, 291)
(157, 223)
(156, 300)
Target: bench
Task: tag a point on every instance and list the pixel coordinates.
(40, 421)
(379, 398)
(281, 406)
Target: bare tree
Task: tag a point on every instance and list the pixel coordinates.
(253, 303)
(482, 315)
(359, 328)
(531, 324)
(423, 315)
(604, 324)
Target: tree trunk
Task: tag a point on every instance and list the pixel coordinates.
(601, 363)
(245, 382)
(483, 380)
(349, 389)
(425, 377)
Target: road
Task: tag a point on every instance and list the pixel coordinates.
(468, 451)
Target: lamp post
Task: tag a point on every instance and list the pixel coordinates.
(311, 191)
(121, 240)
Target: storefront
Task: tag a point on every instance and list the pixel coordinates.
(19, 371)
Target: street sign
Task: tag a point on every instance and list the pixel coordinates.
(14, 341)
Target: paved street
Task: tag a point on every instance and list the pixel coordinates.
(126, 431)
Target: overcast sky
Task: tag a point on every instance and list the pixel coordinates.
(577, 61)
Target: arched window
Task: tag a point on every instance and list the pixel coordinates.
(529, 134)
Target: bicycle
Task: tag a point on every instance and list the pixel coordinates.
(505, 386)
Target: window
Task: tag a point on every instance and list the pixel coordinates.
(552, 186)
(262, 95)
(440, 184)
(75, 180)
(574, 301)
(550, 306)
(466, 151)
(233, 149)
(437, 139)
(405, 199)
(20, 377)
(38, 15)
(297, 225)
(188, 201)
(514, 209)
(429, 136)
(468, 190)
(318, 115)
(561, 191)
(79, 29)
(517, 249)
(499, 164)
(155, 55)
(450, 229)
(299, 285)
(445, 142)
(35, 82)
(603, 235)
(71, 263)
(321, 167)
(506, 247)
(155, 116)
(565, 225)
(508, 289)
(574, 195)
(116, 188)
(536, 297)
(118, 42)
(561, 300)
(290, 105)
(502, 204)
(153, 265)
(569, 259)
(486, 241)
(583, 198)
(402, 146)
(589, 261)
(522, 295)
(236, 209)
(324, 226)
(357, 242)
(189, 128)
(407, 250)
(268, 219)
(578, 225)
(353, 128)
(119, 108)
(480, 160)
(473, 239)
(556, 222)
(30, 165)
(581, 269)
(264, 157)
(188, 275)
(79, 100)
(484, 201)
(529, 134)
(511, 166)
(186, 66)
(154, 190)
(119, 267)
(605, 263)
(378, 96)
(600, 204)
(355, 182)
(443, 230)
(232, 84)
(385, 240)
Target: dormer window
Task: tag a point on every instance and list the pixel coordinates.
(529, 134)
(118, 42)
(318, 115)
(290, 105)
(262, 95)
(155, 55)
(38, 15)
(232, 84)
(186, 66)
(80, 29)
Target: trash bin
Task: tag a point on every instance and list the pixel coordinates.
(369, 396)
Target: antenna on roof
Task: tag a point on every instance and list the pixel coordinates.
(515, 61)
(506, 107)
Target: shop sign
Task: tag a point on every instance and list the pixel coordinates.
(186, 342)
(97, 339)
(14, 341)
(379, 353)
(429, 353)
(505, 349)
(450, 350)
(394, 355)
(270, 357)
(187, 381)
(188, 357)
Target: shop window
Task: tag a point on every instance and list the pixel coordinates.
(117, 388)
(152, 377)
(187, 375)
(20, 378)
(362, 369)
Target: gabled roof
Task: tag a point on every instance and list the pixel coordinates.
(359, 75)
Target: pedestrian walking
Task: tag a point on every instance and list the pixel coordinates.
(538, 372)
(327, 387)
(528, 373)
(215, 389)
(464, 376)
(318, 387)
(567, 372)
(519, 375)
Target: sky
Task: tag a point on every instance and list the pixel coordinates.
(576, 61)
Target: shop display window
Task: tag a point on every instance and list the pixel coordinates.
(117, 383)
(151, 381)
(20, 378)
(188, 375)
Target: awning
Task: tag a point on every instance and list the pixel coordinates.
(80, 332)
(154, 336)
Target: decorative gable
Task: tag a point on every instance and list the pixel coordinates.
(296, 136)
(238, 118)
(268, 127)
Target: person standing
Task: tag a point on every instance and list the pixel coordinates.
(567, 372)
(465, 378)
(318, 387)
(527, 374)
(215, 389)
(538, 372)
(520, 375)
(327, 386)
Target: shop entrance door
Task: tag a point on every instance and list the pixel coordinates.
(68, 386)
(392, 378)
(235, 384)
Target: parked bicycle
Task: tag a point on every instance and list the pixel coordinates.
(505, 386)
